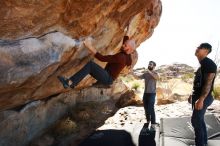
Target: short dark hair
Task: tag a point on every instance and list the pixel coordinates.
(206, 46)
(125, 38)
(154, 63)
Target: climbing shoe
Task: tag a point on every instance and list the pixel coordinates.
(64, 81)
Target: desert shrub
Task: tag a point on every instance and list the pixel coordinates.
(135, 85)
(64, 127)
(216, 92)
(127, 78)
(187, 77)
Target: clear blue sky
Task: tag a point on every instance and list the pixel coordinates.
(184, 24)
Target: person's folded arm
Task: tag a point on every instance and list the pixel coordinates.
(154, 75)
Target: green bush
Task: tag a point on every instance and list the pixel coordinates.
(135, 85)
(216, 92)
(187, 77)
(126, 79)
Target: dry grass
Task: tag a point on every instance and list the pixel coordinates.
(216, 92)
(64, 127)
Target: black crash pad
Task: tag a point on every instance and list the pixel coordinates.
(108, 138)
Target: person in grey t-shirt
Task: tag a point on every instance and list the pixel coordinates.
(150, 77)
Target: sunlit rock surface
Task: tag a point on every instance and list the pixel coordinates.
(42, 39)
(22, 125)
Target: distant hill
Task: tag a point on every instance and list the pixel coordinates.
(175, 69)
(172, 70)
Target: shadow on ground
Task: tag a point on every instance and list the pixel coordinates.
(108, 138)
(112, 137)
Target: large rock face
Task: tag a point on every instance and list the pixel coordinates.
(42, 39)
(22, 126)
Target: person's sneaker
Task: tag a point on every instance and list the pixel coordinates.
(153, 126)
(64, 81)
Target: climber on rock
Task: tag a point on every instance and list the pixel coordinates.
(115, 64)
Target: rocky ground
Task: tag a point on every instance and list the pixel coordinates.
(132, 118)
